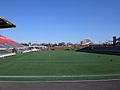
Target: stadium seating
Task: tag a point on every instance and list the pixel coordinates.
(108, 49)
(2, 52)
(9, 47)
(2, 46)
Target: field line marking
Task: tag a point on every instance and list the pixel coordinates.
(62, 81)
(59, 76)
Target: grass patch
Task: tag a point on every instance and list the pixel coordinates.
(60, 63)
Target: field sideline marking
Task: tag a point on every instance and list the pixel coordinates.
(60, 76)
(62, 81)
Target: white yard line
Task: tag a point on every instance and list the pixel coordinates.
(59, 76)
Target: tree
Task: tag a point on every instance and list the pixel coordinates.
(61, 44)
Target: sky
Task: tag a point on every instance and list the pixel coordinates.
(53, 21)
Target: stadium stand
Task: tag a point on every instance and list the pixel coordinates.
(2, 52)
(113, 48)
(8, 47)
(105, 49)
(11, 46)
(2, 46)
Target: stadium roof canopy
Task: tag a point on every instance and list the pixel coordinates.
(5, 23)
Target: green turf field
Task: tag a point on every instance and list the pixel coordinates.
(60, 65)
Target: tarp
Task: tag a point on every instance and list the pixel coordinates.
(5, 23)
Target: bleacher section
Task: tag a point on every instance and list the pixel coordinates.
(2, 46)
(4, 53)
(9, 47)
(5, 42)
(108, 49)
